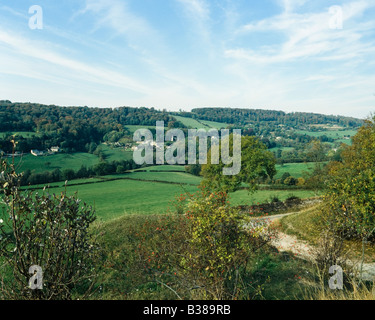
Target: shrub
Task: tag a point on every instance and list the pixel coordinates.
(204, 253)
(50, 231)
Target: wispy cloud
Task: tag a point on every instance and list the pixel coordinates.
(115, 15)
(308, 35)
(97, 74)
(199, 13)
(198, 9)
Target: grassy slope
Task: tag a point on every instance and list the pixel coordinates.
(295, 169)
(242, 197)
(201, 124)
(163, 168)
(57, 161)
(335, 134)
(116, 154)
(175, 177)
(338, 135)
(115, 198)
(273, 275)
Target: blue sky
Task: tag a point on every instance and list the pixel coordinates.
(289, 55)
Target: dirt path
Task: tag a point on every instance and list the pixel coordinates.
(303, 250)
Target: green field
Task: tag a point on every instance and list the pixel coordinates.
(201, 124)
(116, 154)
(163, 168)
(242, 197)
(338, 135)
(124, 195)
(113, 199)
(296, 170)
(175, 177)
(57, 161)
(215, 125)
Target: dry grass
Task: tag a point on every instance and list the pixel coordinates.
(353, 291)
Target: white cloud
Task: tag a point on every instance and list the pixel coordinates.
(308, 35)
(198, 9)
(116, 16)
(38, 52)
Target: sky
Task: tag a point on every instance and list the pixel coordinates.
(290, 55)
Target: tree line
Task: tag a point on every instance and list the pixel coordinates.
(101, 169)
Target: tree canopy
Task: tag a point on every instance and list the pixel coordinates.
(256, 164)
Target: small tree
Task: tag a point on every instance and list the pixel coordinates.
(49, 231)
(257, 163)
(204, 253)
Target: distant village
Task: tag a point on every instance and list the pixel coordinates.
(35, 153)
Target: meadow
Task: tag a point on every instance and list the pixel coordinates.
(340, 136)
(56, 161)
(152, 192)
(116, 154)
(113, 199)
(296, 170)
(201, 124)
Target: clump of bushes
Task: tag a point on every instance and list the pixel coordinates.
(50, 232)
(205, 252)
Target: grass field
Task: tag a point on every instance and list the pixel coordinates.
(213, 124)
(163, 168)
(334, 134)
(296, 170)
(201, 124)
(242, 197)
(116, 154)
(115, 198)
(57, 161)
(175, 177)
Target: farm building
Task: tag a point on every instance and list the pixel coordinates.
(37, 153)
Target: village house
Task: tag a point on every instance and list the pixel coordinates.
(37, 153)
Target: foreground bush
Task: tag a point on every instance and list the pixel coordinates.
(204, 253)
(350, 201)
(47, 231)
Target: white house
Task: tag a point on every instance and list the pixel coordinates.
(37, 153)
(55, 149)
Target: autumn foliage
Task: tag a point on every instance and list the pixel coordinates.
(203, 253)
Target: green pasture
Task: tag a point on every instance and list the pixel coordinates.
(116, 154)
(113, 199)
(334, 134)
(201, 124)
(174, 177)
(56, 161)
(242, 197)
(163, 168)
(296, 170)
